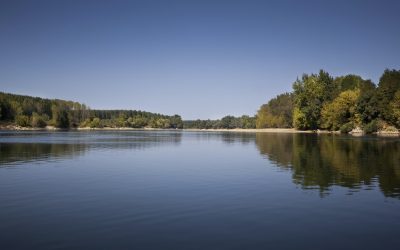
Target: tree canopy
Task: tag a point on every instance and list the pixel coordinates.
(320, 101)
(277, 113)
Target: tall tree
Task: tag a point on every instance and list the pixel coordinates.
(60, 116)
(395, 106)
(276, 113)
(389, 84)
(310, 93)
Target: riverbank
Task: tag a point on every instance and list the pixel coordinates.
(294, 131)
(262, 130)
(19, 128)
(235, 130)
(52, 128)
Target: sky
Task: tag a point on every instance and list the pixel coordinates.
(199, 59)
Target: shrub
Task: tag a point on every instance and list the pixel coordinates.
(22, 120)
(38, 121)
(346, 128)
(371, 127)
(95, 123)
(85, 123)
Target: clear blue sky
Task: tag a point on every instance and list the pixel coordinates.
(200, 59)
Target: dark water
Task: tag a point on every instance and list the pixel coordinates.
(188, 190)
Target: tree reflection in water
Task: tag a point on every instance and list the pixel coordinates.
(322, 161)
(316, 161)
(19, 148)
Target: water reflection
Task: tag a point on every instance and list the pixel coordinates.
(316, 161)
(16, 153)
(321, 161)
(225, 137)
(23, 147)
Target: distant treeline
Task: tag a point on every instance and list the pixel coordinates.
(227, 122)
(27, 111)
(320, 101)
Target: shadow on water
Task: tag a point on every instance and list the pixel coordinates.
(323, 161)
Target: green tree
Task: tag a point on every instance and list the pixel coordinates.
(395, 106)
(228, 122)
(95, 123)
(247, 122)
(310, 93)
(367, 104)
(176, 122)
(389, 84)
(15, 109)
(5, 108)
(38, 121)
(138, 122)
(60, 116)
(22, 120)
(278, 112)
(348, 82)
(341, 110)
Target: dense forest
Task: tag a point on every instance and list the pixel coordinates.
(27, 111)
(320, 101)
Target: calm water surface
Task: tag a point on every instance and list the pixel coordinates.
(194, 190)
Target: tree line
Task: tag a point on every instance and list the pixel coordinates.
(27, 111)
(227, 122)
(320, 101)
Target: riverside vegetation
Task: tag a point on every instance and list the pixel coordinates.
(318, 101)
(26, 111)
(344, 103)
